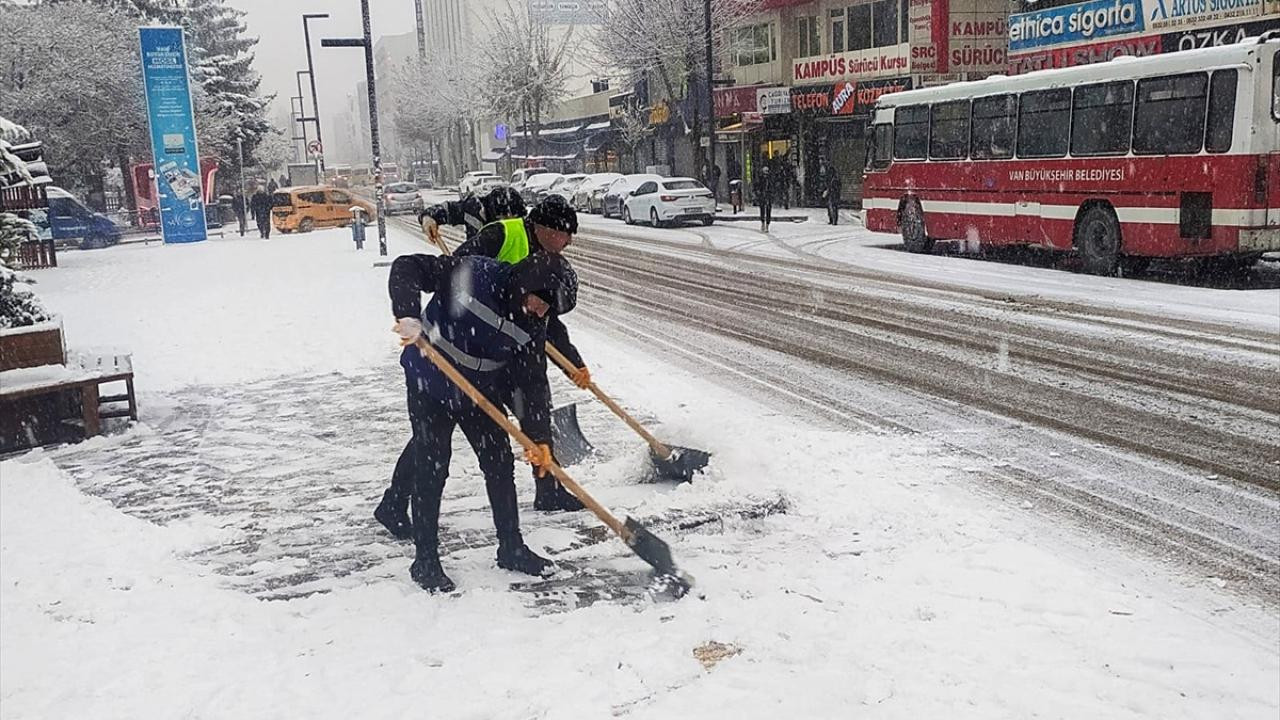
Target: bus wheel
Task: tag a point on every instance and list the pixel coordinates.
(306, 225)
(1098, 240)
(911, 220)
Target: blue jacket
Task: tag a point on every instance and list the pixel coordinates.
(470, 320)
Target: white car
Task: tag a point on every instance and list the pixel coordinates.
(540, 182)
(618, 191)
(589, 197)
(485, 184)
(564, 187)
(402, 197)
(469, 180)
(521, 176)
(667, 200)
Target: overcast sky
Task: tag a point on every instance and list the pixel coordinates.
(281, 51)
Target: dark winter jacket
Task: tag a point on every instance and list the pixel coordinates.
(474, 319)
(488, 243)
(831, 184)
(469, 212)
(260, 206)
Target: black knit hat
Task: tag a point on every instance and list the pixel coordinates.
(502, 202)
(550, 277)
(554, 212)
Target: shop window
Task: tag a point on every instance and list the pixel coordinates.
(910, 132)
(1044, 123)
(1100, 118)
(809, 36)
(884, 23)
(1222, 111)
(949, 131)
(1170, 113)
(859, 20)
(754, 45)
(837, 31)
(995, 122)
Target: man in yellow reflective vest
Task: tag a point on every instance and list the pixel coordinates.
(549, 228)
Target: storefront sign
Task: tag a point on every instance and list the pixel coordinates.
(929, 24)
(811, 100)
(845, 98)
(734, 100)
(773, 101)
(878, 62)
(1214, 37)
(173, 134)
(1076, 23)
(1174, 14)
(1084, 54)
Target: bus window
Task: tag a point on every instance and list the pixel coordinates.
(1169, 117)
(1222, 111)
(910, 132)
(1044, 122)
(949, 131)
(1100, 118)
(1275, 86)
(881, 145)
(994, 127)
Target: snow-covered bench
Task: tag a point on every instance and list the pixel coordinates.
(41, 388)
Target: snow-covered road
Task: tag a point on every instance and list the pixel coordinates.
(219, 561)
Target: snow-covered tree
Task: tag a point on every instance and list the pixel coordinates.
(526, 69)
(437, 102)
(221, 57)
(18, 305)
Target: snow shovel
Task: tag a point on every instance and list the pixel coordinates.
(571, 446)
(672, 463)
(646, 545)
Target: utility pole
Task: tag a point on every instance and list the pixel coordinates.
(244, 206)
(711, 103)
(311, 73)
(367, 43)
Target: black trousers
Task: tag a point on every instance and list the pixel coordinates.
(423, 467)
(833, 210)
(766, 210)
(264, 227)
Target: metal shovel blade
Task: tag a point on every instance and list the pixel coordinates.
(680, 465)
(571, 445)
(655, 551)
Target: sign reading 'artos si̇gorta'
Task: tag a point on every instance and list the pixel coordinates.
(1074, 23)
(173, 134)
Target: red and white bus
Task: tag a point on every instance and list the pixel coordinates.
(1137, 158)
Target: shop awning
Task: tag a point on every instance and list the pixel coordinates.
(595, 127)
(493, 156)
(560, 131)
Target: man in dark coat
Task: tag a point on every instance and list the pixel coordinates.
(489, 320)
(831, 193)
(472, 212)
(260, 206)
(762, 186)
(238, 207)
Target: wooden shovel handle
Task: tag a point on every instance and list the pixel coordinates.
(662, 450)
(501, 418)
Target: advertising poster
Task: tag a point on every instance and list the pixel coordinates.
(1071, 24)
(173, 134)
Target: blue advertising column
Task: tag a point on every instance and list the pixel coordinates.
(173, 134)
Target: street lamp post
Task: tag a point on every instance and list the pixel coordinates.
(244, 207)
(311, 73)
(366, 42)
(711, 104)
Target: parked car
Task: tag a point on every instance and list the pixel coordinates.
(521, 176)
(540, 182)
(564, 187)
(589, 196)
(402, 197)
(619, 189)
(72, 222)
(468, 181)
(668, 200)
(485, 184)
(425, 183)
(314, 206)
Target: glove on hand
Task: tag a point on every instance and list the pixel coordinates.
(581, 377)
(409, 330)
(539, 456)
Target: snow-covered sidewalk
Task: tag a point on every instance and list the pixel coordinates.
(218, 561)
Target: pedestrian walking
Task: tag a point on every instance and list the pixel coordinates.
(238, 207)
(489, 319)
(763, 189)
(272, 186)
(785, 177)
(715, 182)
(260, 205)
(831, 193)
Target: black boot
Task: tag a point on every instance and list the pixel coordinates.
(552, 497)
(520, 558)
(393, 515)
(427, 572)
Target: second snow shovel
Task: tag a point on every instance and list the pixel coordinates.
(646, 545)
(571, 446)
(670, 462)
